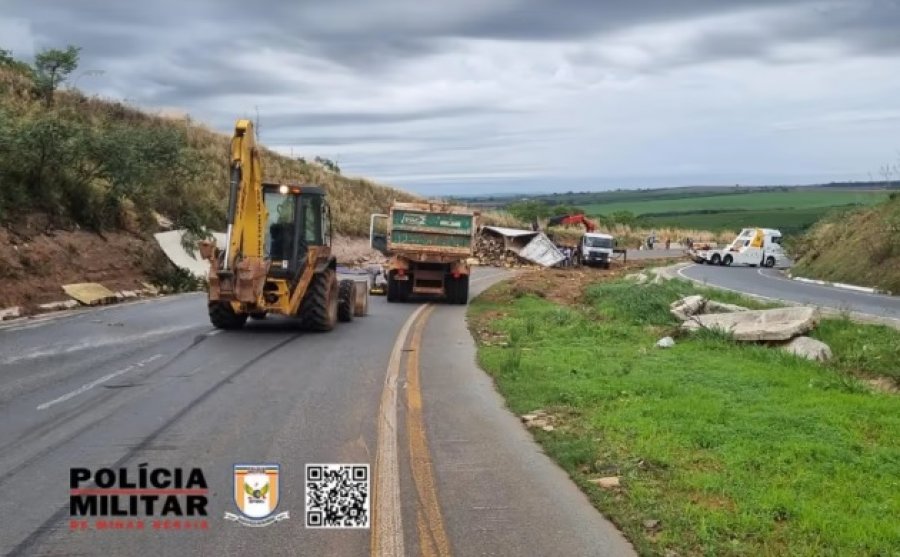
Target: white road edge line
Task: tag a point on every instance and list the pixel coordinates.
(388, 527)
(88, 386)
(873, 318)
(828, 285)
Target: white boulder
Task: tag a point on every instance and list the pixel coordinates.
(809, 348)
(687, 307)
(768, 324)
(665, 342)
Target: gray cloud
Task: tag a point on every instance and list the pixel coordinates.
(586, 87)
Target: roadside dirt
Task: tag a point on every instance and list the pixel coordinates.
(567, 286)
(36, 262)
(351, 250)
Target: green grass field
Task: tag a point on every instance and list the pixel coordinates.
(797, 199)
(787, 220)
(725, 448)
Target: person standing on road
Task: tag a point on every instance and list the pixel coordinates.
(668, 243)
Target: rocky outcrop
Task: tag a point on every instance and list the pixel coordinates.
(759, 325)
(808, 348)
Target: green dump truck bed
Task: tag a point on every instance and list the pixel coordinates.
(431, 228)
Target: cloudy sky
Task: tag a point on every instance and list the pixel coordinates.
(467, 96)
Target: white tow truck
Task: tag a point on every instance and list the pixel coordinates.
(752, 247)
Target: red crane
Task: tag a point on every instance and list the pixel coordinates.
(589, 225)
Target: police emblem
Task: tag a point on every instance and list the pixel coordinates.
(256, 495)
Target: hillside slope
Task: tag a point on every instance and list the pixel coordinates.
(83, 181)
(105, 165)
(860, 247)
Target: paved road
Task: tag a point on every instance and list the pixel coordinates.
(773, 284)
(453, 471)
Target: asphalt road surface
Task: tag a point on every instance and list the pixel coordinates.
(453, 472)
(772, 283)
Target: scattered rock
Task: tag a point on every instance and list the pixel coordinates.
(10, 313)
(639, 278)
(538, 419)
(687, 307)
(768, 324)
(665, 342)
(713, 306)
(149, 289)
(163, 222)
(90, 293)
(56, 306)
(128, 294)
(651, 524)
(808, 348)
(609, 482)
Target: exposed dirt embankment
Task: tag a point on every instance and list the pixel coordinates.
(861, 247)
(35, 262)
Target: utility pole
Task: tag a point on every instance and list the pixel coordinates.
(257, 124)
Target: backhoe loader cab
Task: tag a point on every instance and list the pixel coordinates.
(277, 254)
(298, 217)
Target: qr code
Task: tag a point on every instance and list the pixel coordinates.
(337, 496)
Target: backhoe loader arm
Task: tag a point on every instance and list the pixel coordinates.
(589, 225)
(247, 213)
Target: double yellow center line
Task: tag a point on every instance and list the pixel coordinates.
(387, 528)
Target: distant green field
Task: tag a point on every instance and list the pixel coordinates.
(793, 199)
(786, 220)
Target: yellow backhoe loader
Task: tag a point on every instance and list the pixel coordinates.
(277, 254)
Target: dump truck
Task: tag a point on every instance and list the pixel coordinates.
(277, 255)
(428, 245)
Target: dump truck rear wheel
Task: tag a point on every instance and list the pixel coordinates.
(728, 261)
(462, 292)
(346, 300)
(319, 309)
(457, 289)
(398, 290)
(715, 259)
(222, 316)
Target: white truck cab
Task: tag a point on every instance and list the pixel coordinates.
(753, 246)
(595, 248)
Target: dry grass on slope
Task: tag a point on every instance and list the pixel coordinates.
(860, 247)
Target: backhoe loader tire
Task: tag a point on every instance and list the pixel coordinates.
(346, 300)
(223, 317)
(319, 308)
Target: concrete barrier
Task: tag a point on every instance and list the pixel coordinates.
(170, 242)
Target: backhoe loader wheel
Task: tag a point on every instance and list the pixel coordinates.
(223, 317)
(319, 309)
(346, 300)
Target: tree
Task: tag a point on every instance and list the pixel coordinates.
(528, 211)
(329, 164)
(52, 66)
